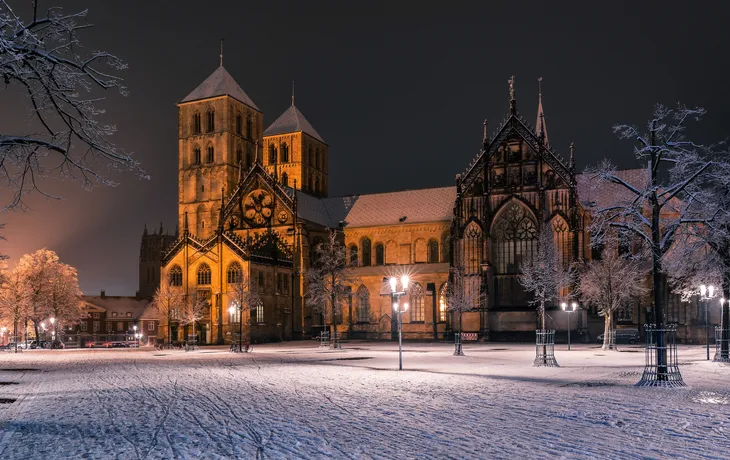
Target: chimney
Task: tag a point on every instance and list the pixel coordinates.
(103, 294)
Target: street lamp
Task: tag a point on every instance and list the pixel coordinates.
(569, 309)
(395, 296)
(2, 334)
(136, 339)
(232, 310)
(706, 293)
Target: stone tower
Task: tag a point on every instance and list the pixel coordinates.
(150, 256)
(219, 133)
(293, 150)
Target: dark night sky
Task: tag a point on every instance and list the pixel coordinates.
(399, 93)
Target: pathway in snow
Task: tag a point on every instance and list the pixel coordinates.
(292, 400)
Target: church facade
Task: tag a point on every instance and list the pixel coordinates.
(253, 204)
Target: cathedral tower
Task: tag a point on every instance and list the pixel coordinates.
(293, 150)
(219, 132)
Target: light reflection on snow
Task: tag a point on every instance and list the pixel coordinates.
(708, 397)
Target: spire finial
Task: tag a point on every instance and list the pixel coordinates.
(512, 101)
(539, 87)
(292, 92)
(540, 126)
(485, 132)
(221, 52)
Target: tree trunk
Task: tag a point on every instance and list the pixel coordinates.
(607, 330)
(657, 276)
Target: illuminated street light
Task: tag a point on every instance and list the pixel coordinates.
(396, 295)
(706, 293)
(573, 307)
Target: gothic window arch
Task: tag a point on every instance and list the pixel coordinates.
(353, 254)
(443, 307)
(196, 123)
(285, 179)
(363, 307)
(210, 157)
(249, 127)
(284, 153)
(176, 276)
(234, 274)
(514, 235)
(416, 299)
(196, 155)
(379, 254)
(366, 251)
(239, 124)
(204, 274)
(433, 251)
(210, 116)
(561, 239)
(272, 154)
(472, 243)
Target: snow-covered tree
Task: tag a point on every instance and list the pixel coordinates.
(675, 196)
(463, 294)
(41, 58)
(243, 298)
(610, 283)
(14, 300)
(544, 275)
(192, 310)
(64, 303)
(168, 300)
(330, 278)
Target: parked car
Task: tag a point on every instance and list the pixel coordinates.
(630, 336)
(117, 345)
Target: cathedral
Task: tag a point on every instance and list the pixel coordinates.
(253, 204)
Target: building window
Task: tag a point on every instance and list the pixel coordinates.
(249, 127)
(211, 120)
(285, 180)
(196, 123)
(366, 252)
(239, 124)
(379, 254)
(176, 275)
(96, 315)
(284, 153)
(120, 326)
(442, 303)
(259, 312)
(272, 154)
(417, 310)
(196, 155)
(561, 240)
(96, 326)
(515, 239)
(261, 281)
(84, 326)
(110, 327)
(363, 299)
(353, 254)
(316, 158)
(433, 251)
(235, 313)
(114, 313)
(203, 274)
(310, 157)
(235, 273)
(151, 326)
(211, 154)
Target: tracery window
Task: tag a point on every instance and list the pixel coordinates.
(363, 311)
(176, 276)
(442, 303)
(211, 120)
(379, 254)
(472, 248)
(515, 239)
(204, 274)
(417, 309)
(561, 240)
(234, 273)
(259, 312)
(433, 251)
(366, 252)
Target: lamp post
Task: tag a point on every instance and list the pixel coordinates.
(232, 310)
(396, 295)
(136, 339)
(706, 293)
(569, 309)
(53, 332)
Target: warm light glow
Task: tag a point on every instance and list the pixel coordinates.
(405, 306)
(563, 306)
(575, 305)
(711, 290)
(232, 310)
(703, 290)
(53, 320)
(722, 302)
(395, 306)
(393, 284)
(135, 328)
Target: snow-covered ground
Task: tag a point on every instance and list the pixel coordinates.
(295, 400)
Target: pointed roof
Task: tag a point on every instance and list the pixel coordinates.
(540, 124)
(292, 121)
(220, 83)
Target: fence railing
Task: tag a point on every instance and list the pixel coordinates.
(545, 348)
(660, 353)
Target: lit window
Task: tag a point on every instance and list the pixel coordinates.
(204, 274)
(417, 310)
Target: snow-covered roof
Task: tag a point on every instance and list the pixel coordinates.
(292, 121)
(119, 305)
(606, 193)
(220, 83)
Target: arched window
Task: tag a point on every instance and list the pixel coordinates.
(433, 251)
(353, 254)
(259, 310)
(420, 251)
(196, 123)
(239, 124)
(379, 254)
(211, 154)
(442, 303)
(234, 273)
(239, 155)
(249, 127)
(561, 240)
(272, 154)
(284, 153)
(366, 252)
(363, 308)
(514, 239)
(417, 310)
(196, 155)
(176, 276)
(285, 179)
(203, 274)
(211, 120)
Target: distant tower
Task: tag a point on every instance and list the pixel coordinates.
(150, 256)
(293, 150)
(219, 128)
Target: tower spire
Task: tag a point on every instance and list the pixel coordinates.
(512, 101)
(221, 52)
(540, 126)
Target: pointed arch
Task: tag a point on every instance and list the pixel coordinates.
(239, 124)
(514, 237)
(234, 274)
(196, 155)
(442, 303)
(366, 246)
(433, 251)
(204, 274)
(352, 254)
(420, 251)
(562, 239)
(272, 154)
(363, 304)
(285, 179)
(196, 123)
(200, 215)
(417, 304)
(379, 254)
(284, 153)
(175, 275)
(210, 153)
(249, 127)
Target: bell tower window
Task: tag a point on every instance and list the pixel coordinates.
(196, 123)
(284, 153)
(239, 124)
(196, 155)
(272, 154)
(211, 154)
(249, 127)
(211, 120)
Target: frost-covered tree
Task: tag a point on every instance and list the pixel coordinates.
(168, 300)
(64, 303)
(544, 275)
(243, 297)
(14, 301)
(330, 279)
(463, 294)
(42, 58)
(193, 310)
(675, 196)
(610, 283)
